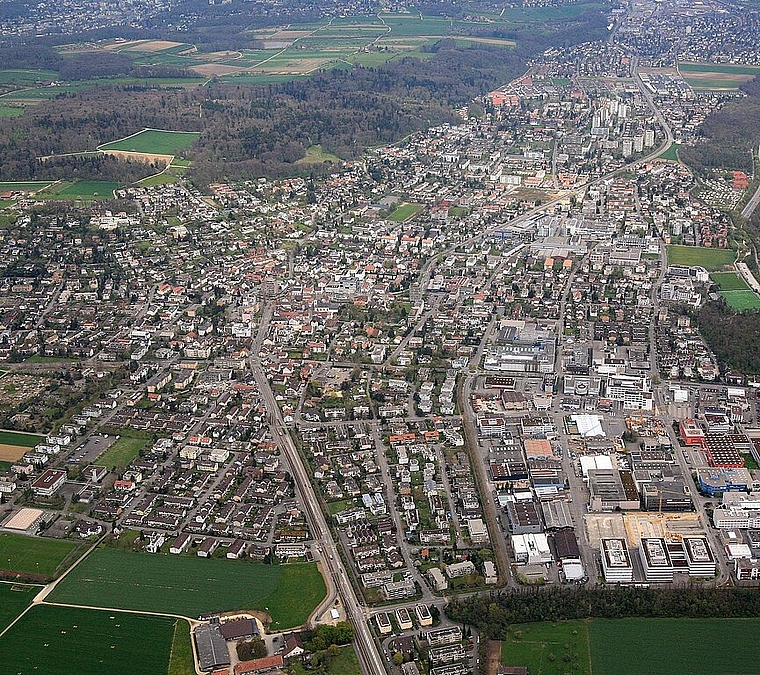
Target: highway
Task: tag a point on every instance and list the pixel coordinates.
(369, 655)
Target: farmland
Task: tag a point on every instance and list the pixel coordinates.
(653, 646)
(122, 452)
(188, 585)
(709, 258)
(181, 661)
(33, 555)
(710, 76)
(154, 142)
(14, 599)
(51, 640)
(82, 190)
(17, 438)
(28, 186)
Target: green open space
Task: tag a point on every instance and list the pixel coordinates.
(16, 438)
(316, 154)
(729, 281)
(7, 111)
(345, 662)
(727, 68)
(674, 646)
(741, 301)
(26, 78)
(154, 142)
(82, 190)
(50, 640)
(24, 186)
(181, 661)
(405, 211)
(709, 258)
(33, 555)
(560, 648)
(189, 585)
(670, 154)
(14, 599)
(122, 452)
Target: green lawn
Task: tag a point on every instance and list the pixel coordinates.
(728, 68)
(741, 300)
(729, 281)
(709, 258)
(64, 640)
(405, 211)
(181, 660)
(89, 190)
(14, 599)
(670, 154)
(7, 111)
(549, 648)
(342, 505)
(154, 141)
(26, 552)
(345, 663)
(189, 585)
(164, 178)
(122, 452)
(17, 438)
(24, 186)
(315, 154)
(674, 646)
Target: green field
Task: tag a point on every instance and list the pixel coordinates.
(189, 585)
(728, 281)
(741, 300)
(28, 186)
(316, 154)
(7, 111)
(405, 211)
(154, 142)
(15, 438)
(65, 640)
(674, 646)
(709, 258)
(122, 452)
(727, 68)
(549, 648)
(670, 154)
(84, 190)
(634, 646)
(181, 661)
(14, 599)
(345, 663)
(33, 555)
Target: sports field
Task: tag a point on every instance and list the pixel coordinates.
(405, 211)
(741, 300)
(709, 258)
(729, 281)
(33, 555)
(66, 640)
(634, 646)
(154, 142)
(122, 452)
(14, 599)
(190, 586)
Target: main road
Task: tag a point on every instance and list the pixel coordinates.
(366, 649)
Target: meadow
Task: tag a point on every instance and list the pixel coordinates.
(14, 599)
(33, 555)
(709, 258)
(82, 190)
(710, 76)
(189, 586)
(634, 646)
(52, 640)
(122, 452)
(15, 438)
(154, 142)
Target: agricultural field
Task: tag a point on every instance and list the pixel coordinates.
(28, 186)
(122, 452)
(741, 301)
(728, 281)
(82, 190)
(33, 555)
(154, 142)
(50, 640)
(188, 585)
(673, 646)
(13, 444)
(181, 661)
(709, 258)
(7, 111)
(405, 211)
(14, 599)
(712, 76)
(549, 648)
(634, 646)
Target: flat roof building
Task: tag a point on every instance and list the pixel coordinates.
(655, 558)
(49, 483)
(616, 561)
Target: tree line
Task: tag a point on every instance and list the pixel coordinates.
(493, 615)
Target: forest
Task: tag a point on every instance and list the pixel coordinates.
(729, 135)
(492, 615)
(255, 130)
(734, 337)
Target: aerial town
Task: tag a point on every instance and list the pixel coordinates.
(463, 363)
